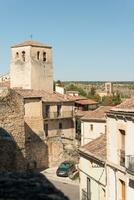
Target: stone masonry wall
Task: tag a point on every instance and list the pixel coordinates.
(12, 134)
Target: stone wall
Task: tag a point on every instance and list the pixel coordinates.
(27, 186)
(61, 149)
(36, 149)
(12, 134)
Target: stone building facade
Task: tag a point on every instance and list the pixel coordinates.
(12, 132)
(31, 66)
(41, 122)
(31, 136)
(51, 118)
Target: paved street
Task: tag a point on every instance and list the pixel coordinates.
(69, 187)
(70, 190)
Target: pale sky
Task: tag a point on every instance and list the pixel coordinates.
(92, 40)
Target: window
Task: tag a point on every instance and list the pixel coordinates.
(105, 127)
(88, 188)
(23, 56)
(46, 129)
(17, 55)
(47, 110)
(38, 55)
(58, 110)
(91, 127)
(60, 125)
(44, 56)
(122, 147)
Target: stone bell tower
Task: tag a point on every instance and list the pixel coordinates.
(31, 66)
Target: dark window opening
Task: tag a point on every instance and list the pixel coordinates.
(91, 127)
(60, 125)
(38, 55)
(47, 110)
(23, 56)
(17, 55)
(46, 129)
(58, 110)
(44, 56)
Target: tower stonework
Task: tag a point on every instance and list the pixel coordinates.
(31, 66)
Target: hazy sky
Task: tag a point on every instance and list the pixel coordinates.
(91, 39)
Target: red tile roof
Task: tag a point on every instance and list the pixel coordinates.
(96, 148)
(46, 97)
(86, 101)
(31, 43)
(99, 113)
(127, 105)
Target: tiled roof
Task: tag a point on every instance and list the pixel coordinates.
(99, 113)
(127, 105)
(81, 113)
(31, 43)
(86, 101)
(75, 98)
(46, 97)
(96, 148)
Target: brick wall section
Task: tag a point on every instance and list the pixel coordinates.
(12, 134)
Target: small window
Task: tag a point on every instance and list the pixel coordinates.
(58, 110)
(91, 127)
(105, 127)
(23, 56)
(44, 56)
(60, 125)
(17, 55)
(46, 129)
(38, 55)
(47, 110)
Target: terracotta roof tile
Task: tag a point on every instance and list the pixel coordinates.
(81, 113)
(96, 148)
(127, 105)
(48, 97)
(98, 113)
(86, 101)
(31, 43)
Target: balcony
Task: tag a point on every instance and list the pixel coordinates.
(122, 158)
(130, 163)
(56, 115)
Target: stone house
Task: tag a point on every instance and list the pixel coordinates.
(44, 137)
(93, 124)
(117, 166)
(120, 151)
(47, 118)
(51, 117)
(92, 169)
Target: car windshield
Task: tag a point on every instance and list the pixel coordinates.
(64, 166)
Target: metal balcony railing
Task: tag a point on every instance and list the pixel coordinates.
(130, 163)
(122, 157)
(55, 115)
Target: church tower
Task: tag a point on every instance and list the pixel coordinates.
(31, 66)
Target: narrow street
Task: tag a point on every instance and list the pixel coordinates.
(69, 187)
(70, 190)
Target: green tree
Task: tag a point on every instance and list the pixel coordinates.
(116, 98)
(73, 87)
(107, 101)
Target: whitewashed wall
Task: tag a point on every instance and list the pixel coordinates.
(87, 135)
